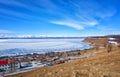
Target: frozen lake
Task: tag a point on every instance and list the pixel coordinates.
(26, 46)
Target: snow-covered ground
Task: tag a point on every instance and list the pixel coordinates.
(111, 40)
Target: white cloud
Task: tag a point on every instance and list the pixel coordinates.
(70, 24)
(77, 24)
(84, 14)
(91, 23)
(5, 31)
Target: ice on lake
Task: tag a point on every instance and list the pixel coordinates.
(25, 46)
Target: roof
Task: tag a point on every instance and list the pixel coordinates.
(3, 61)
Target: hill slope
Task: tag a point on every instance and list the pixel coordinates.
(101, 65)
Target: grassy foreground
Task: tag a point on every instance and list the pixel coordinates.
(100, 64)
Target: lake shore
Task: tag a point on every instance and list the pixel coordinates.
(94, 62)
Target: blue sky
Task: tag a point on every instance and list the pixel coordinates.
(60, 17)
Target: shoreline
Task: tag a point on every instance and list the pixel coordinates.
(86, 54)
(73, 57)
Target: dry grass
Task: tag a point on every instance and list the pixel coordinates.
(97, 40)
(101, 65)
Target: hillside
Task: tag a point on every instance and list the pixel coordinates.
(101, 64)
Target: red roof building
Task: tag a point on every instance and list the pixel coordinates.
(3, 62)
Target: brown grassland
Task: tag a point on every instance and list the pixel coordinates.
(102, 64)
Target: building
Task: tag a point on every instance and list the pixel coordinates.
(4, 64)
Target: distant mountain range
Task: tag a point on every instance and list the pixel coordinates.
(41, 37)
(14, 36)
(7, 36)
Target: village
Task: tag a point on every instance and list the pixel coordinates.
(12, 64)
